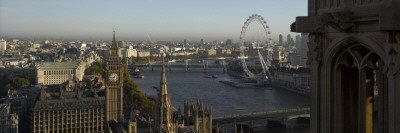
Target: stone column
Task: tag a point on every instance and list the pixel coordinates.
(392, 67)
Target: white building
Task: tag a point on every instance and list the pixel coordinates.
(82, 46)
(14, 62)
(52, 73)
(176, 49)
(3, 45)
(36, 45)
(143, 53)
(211, 52)
(130, 52)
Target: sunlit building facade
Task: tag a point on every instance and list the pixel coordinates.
(53, 73)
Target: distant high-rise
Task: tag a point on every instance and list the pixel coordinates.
(94, 43)
(289, 39)
(303, 49)
(291, 42)
(184, 42)
(298, 42)
(3, 45)
(202, 41)
(280, 39)
(228, 42)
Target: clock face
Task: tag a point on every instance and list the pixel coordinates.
(113, 77)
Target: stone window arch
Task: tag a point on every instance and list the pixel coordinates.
(357, 87)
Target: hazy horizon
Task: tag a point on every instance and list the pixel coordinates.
(136, 20)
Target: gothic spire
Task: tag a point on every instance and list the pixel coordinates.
(78, 93)
(61, 92)
(42, 93)
(114, 34)
(163, 82)
(198, 101)
(95, 93)
(235, 128)
(114, 43)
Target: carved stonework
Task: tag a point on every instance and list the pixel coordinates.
(293, 27)
(392, 48)
(340, 21)
(315, 51)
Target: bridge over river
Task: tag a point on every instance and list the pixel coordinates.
(206, 64)
(176, 65)
(270, 117)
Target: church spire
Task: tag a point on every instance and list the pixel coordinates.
(163, 81)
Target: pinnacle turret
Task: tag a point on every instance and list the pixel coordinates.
(61, 92)
(42, 93)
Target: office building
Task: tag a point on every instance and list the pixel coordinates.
(52, 73)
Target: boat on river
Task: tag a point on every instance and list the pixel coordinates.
(211, 76)
(141, 76)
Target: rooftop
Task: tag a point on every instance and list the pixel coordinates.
(58, 65)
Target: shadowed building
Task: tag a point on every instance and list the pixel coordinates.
(8, 120)
(354, 58)
(198, 118)
(164, 121)
(75, 111)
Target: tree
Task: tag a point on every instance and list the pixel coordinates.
(96, 68)
(8, 86)
(132, 94)
(18, 82)
(15, 83)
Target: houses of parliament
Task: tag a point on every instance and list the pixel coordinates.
(82, 107)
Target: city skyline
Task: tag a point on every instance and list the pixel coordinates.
(158, 20)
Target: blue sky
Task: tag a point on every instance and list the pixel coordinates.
(135, 20)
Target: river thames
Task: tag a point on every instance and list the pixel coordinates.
(225, 100)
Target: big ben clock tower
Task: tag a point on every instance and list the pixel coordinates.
(114, 84)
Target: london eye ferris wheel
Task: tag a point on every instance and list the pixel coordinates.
(255, 18)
